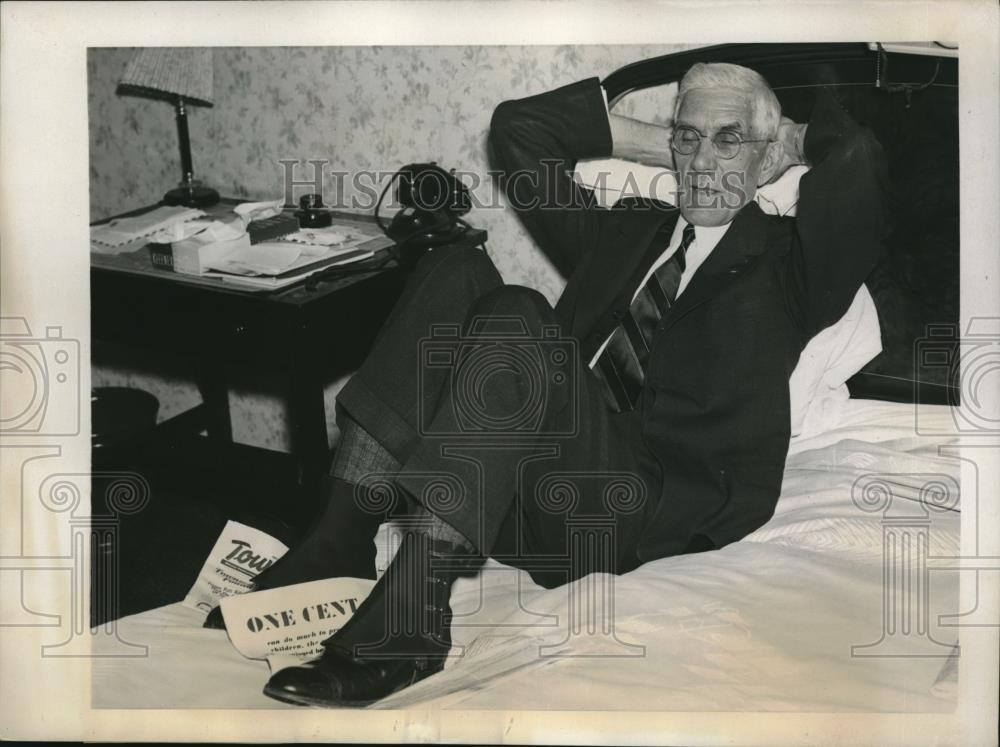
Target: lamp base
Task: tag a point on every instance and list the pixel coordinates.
(191, 196)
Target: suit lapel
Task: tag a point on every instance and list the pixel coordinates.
(639, 234)
(745, 240)
(616, 271)
(620, 265)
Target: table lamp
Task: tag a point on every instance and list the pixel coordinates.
(183, 76)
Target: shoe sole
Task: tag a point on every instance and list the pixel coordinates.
(305, 700)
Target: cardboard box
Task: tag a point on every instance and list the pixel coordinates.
(194, 255)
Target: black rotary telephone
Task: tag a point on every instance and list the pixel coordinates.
(433, 201)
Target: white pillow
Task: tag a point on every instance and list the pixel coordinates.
(780, 197)
(613, 179)
(831, 357)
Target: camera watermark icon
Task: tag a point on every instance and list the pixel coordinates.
(907, 504)
(412, 575)
(87, 557)
(585, 564)
(983, 566)
(391, 495)
(969, 365)
(382, 493)
(41, 381)
(503, 381)
(590, 560)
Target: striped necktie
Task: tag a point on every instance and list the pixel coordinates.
(621, 366)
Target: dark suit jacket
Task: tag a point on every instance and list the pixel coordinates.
(715, 407)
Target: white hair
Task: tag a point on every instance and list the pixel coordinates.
(765, 111)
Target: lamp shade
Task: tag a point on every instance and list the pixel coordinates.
(171, 71)
(183, 75)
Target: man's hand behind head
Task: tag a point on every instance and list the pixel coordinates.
(642, 142)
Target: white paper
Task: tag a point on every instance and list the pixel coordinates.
(240, 553)
(194, 256)
(179, 231)
(266, 258)
(288, 625)
(127, 234)
(250, 211)
(327, 236)
(206, 231)
(329, 241)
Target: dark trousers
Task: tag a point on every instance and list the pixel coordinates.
(502, 431)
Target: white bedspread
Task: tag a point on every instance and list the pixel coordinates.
(767, 623)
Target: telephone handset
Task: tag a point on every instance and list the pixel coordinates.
(433, 201)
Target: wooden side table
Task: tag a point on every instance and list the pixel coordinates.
(307, 331)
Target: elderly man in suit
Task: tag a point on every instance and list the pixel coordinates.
(655, 392)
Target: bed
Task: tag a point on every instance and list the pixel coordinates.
(784, 620)
(844, 601)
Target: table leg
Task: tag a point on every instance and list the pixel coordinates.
(215, 393)
(307, 413)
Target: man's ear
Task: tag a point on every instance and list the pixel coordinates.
(773, 157)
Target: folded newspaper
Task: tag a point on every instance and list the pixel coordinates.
(287, 626)
(240, 553)
(284, 626)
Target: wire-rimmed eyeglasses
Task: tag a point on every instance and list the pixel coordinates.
(726, 144)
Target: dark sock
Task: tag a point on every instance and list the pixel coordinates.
(408, 612)
(341, 541)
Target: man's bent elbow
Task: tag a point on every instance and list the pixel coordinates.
(507, 121)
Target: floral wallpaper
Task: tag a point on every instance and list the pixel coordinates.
(357, 109)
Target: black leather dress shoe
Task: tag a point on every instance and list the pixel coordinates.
(339, 680)
(372, 657)
(214, 619)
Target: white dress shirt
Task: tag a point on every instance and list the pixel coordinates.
(706, 238)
